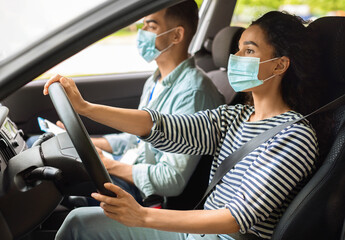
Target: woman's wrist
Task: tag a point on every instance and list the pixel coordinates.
(146, 220)
(85, 108)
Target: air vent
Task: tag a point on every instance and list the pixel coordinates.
(5, 150)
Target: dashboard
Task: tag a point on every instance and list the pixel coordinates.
(34, 180)
(11, 139)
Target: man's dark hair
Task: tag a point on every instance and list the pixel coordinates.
(186, 15)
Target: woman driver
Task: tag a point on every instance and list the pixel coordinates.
(274, 64)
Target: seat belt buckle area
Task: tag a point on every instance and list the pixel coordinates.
(153, 201)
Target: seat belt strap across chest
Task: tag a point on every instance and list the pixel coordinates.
(230, 161)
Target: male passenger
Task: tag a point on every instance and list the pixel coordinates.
(177, 86)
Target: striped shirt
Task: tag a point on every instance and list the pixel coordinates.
(259, 188)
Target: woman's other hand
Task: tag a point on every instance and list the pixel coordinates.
(123, 208)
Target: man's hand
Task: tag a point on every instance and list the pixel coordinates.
(116, 168)
(102, 143)
(72, 92)
(108, 163)
(60, 124)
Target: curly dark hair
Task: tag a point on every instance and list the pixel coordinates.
(302, 87)
(290, 37)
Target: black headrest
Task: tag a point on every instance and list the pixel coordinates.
(224, 43)
(330, 39)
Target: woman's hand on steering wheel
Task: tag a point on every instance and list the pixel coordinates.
(79, 104)
(60, 96)
(124, 208)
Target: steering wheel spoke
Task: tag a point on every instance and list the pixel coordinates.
(80, 138)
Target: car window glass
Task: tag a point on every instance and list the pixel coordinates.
(248, 10)
(116, 53)
(23, 22)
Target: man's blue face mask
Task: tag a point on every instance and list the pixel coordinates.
(146, 43)
(243, 72)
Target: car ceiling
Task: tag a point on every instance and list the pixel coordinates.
(72, 38)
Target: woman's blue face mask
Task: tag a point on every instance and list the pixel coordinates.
(243, 72)
(146, 44)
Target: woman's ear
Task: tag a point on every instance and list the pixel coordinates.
(179, 34)
(283, 65)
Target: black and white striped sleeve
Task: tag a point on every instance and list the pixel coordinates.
(193, 134)
(286, 162)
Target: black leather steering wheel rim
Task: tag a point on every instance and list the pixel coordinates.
(80, 138)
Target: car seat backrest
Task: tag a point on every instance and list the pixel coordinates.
(318, 211)
(224, 44)
(203, 57)
(195, 188)
(330, 39)
(343, 232)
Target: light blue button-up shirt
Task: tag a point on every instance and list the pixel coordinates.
(185, 90)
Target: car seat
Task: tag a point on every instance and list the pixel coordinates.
(194, 189)
(213, 58)
(318, 211)
(224, 44)
(343, 232)
(203, 57)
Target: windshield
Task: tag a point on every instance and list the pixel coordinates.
(23, 22)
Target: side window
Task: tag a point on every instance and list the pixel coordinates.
(247, 10)
(24, 22)
(116, 53)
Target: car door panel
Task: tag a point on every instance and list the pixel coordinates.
(121, 90)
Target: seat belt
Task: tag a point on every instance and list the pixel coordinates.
(230, 161)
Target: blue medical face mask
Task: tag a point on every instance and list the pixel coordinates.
(243, 72)
(146, 44)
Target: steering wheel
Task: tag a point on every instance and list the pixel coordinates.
(80, 138)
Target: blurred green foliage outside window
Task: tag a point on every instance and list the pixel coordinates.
(248, 10)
